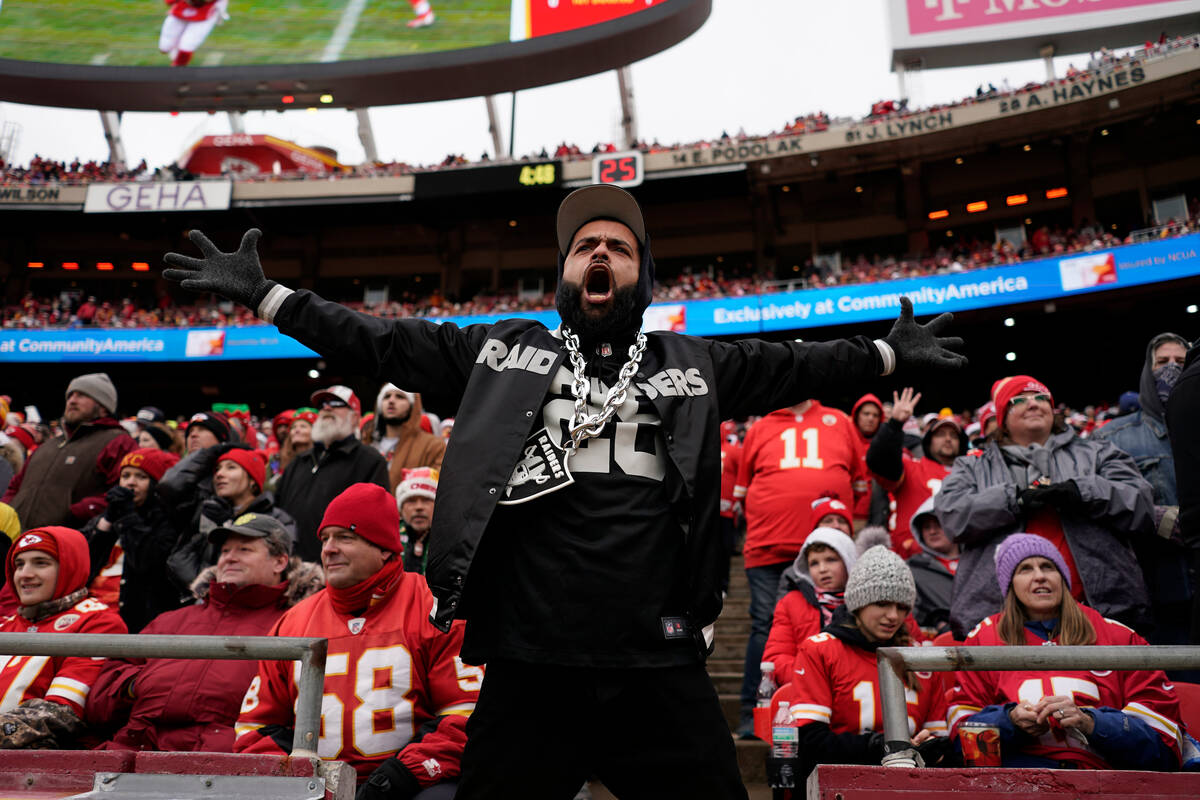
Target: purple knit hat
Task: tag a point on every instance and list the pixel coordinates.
(1020, 546)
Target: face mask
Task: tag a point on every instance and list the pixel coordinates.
(1165, 378)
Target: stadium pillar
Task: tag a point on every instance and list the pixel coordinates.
(1047, 54)
(628, 108)
(237, 122)
(366, 134)
(111, 121)
(1083, 205)
(914, 207)
(901, 80)
(494, 127)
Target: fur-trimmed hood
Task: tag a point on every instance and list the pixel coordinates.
(303, 579)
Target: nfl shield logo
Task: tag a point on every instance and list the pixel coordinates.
(356, 625)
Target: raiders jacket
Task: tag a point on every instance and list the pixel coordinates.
(493, 378)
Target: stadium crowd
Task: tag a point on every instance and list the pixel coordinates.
(42, 171)
(73, 310)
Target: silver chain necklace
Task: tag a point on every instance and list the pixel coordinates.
(584, 425)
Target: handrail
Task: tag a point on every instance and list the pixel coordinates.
(898, 751)
(309, 651)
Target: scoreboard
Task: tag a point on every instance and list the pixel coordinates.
(503, 178)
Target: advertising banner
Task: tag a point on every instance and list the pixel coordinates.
(930, 16)
(109, 198)
(1044, 279)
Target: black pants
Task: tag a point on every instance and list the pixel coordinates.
(538, 732)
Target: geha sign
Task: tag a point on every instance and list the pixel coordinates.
(109, 198)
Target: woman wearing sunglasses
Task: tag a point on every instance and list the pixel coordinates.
(1034, 474)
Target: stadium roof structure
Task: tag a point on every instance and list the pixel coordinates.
(361, 83)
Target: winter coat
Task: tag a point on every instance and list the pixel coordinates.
(503, 372)
(77, 464)
(146, 538)
(977, 506)
(320, 474)
(192, 704)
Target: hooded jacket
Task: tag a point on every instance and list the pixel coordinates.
(44, 696)
(978, 508)
(416, 448)
(935, 583)
(191, 704)
(77, 464)
(862, 493)
(500, 375)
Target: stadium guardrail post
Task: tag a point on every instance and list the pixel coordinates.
(308, 700)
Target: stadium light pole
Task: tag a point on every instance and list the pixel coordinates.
(366, 134)
(628, 107)
(111, 122)
(494, 127)
(237, 122)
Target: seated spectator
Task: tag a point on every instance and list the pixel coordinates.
(161, 436)
(1063, 719)
(835, 691)
(933, 570)
(402, 693)
(190, 704)
(821, 568)
(207, 429)
(396, 432)
(129, 543)
(1085, 496)
(43, 697)
(415, 495)
(238, 476)
(297, 440)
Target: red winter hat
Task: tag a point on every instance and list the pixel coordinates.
(283, 418)
(1006, 389)
(25, 438)
(368, 510)
(250, 460)
(150, 460)
(306, 414)
(65, 545)
(829, 505)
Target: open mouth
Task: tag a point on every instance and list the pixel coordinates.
(597, 283)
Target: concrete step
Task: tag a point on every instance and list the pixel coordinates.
(731, 706)
(727, 682)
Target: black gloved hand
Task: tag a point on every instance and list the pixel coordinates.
(217, 509)
(389, 781)
(237, 276)
(918, 345)
(120, 503)
(1062, 496)
(939, 752)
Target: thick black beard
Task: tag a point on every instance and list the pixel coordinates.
(620, 323)
(393, 421)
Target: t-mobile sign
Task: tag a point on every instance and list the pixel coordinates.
(933, 16)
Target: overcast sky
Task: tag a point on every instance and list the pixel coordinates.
(755, 65)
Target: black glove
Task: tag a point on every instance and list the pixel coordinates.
(237, 276)
(217, 509)
(389, 781)
(120, 503)
(1062, 496)
(940, 752)
(919, 345)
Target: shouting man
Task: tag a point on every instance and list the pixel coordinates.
(576, 519)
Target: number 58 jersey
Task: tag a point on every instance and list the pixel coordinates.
(393, 682)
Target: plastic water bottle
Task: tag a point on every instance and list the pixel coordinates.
(785, 737)
(766, 687)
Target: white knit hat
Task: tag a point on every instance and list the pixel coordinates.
(880, 576)
(418, 482)
(842, 544)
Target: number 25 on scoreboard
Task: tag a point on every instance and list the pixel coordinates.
(618, 169)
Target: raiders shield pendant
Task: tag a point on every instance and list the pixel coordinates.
(541, 470)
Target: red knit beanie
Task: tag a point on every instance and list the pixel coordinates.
(829, 505)
(368, 510)
(250, 460)
(150, 460)
(1006, 389)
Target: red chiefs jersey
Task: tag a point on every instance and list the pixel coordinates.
(190, 13)
(1145, 694)
(921, 479)
(788, 461)
(388, 672)
(65, 680)
(106, 587)
(837, 683)
(731, 459)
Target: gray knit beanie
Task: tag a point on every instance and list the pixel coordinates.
(879, 576)
(98, 386)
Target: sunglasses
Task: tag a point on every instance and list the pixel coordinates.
(1021, 400)
(334, 404)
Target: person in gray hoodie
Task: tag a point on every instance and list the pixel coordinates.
(1036, 475)
(1143, 435)
(933, 569)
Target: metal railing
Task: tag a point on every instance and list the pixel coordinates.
(897, 745)
(310, 652)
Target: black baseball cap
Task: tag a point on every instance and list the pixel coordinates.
(598, 201)
(253, 526)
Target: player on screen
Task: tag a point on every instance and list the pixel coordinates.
(423, 15)
(188, 24)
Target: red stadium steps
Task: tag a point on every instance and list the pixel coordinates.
(845, 782)
(147, 776)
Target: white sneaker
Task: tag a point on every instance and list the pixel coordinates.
(422, 21)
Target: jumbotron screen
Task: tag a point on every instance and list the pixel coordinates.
(212, 33)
